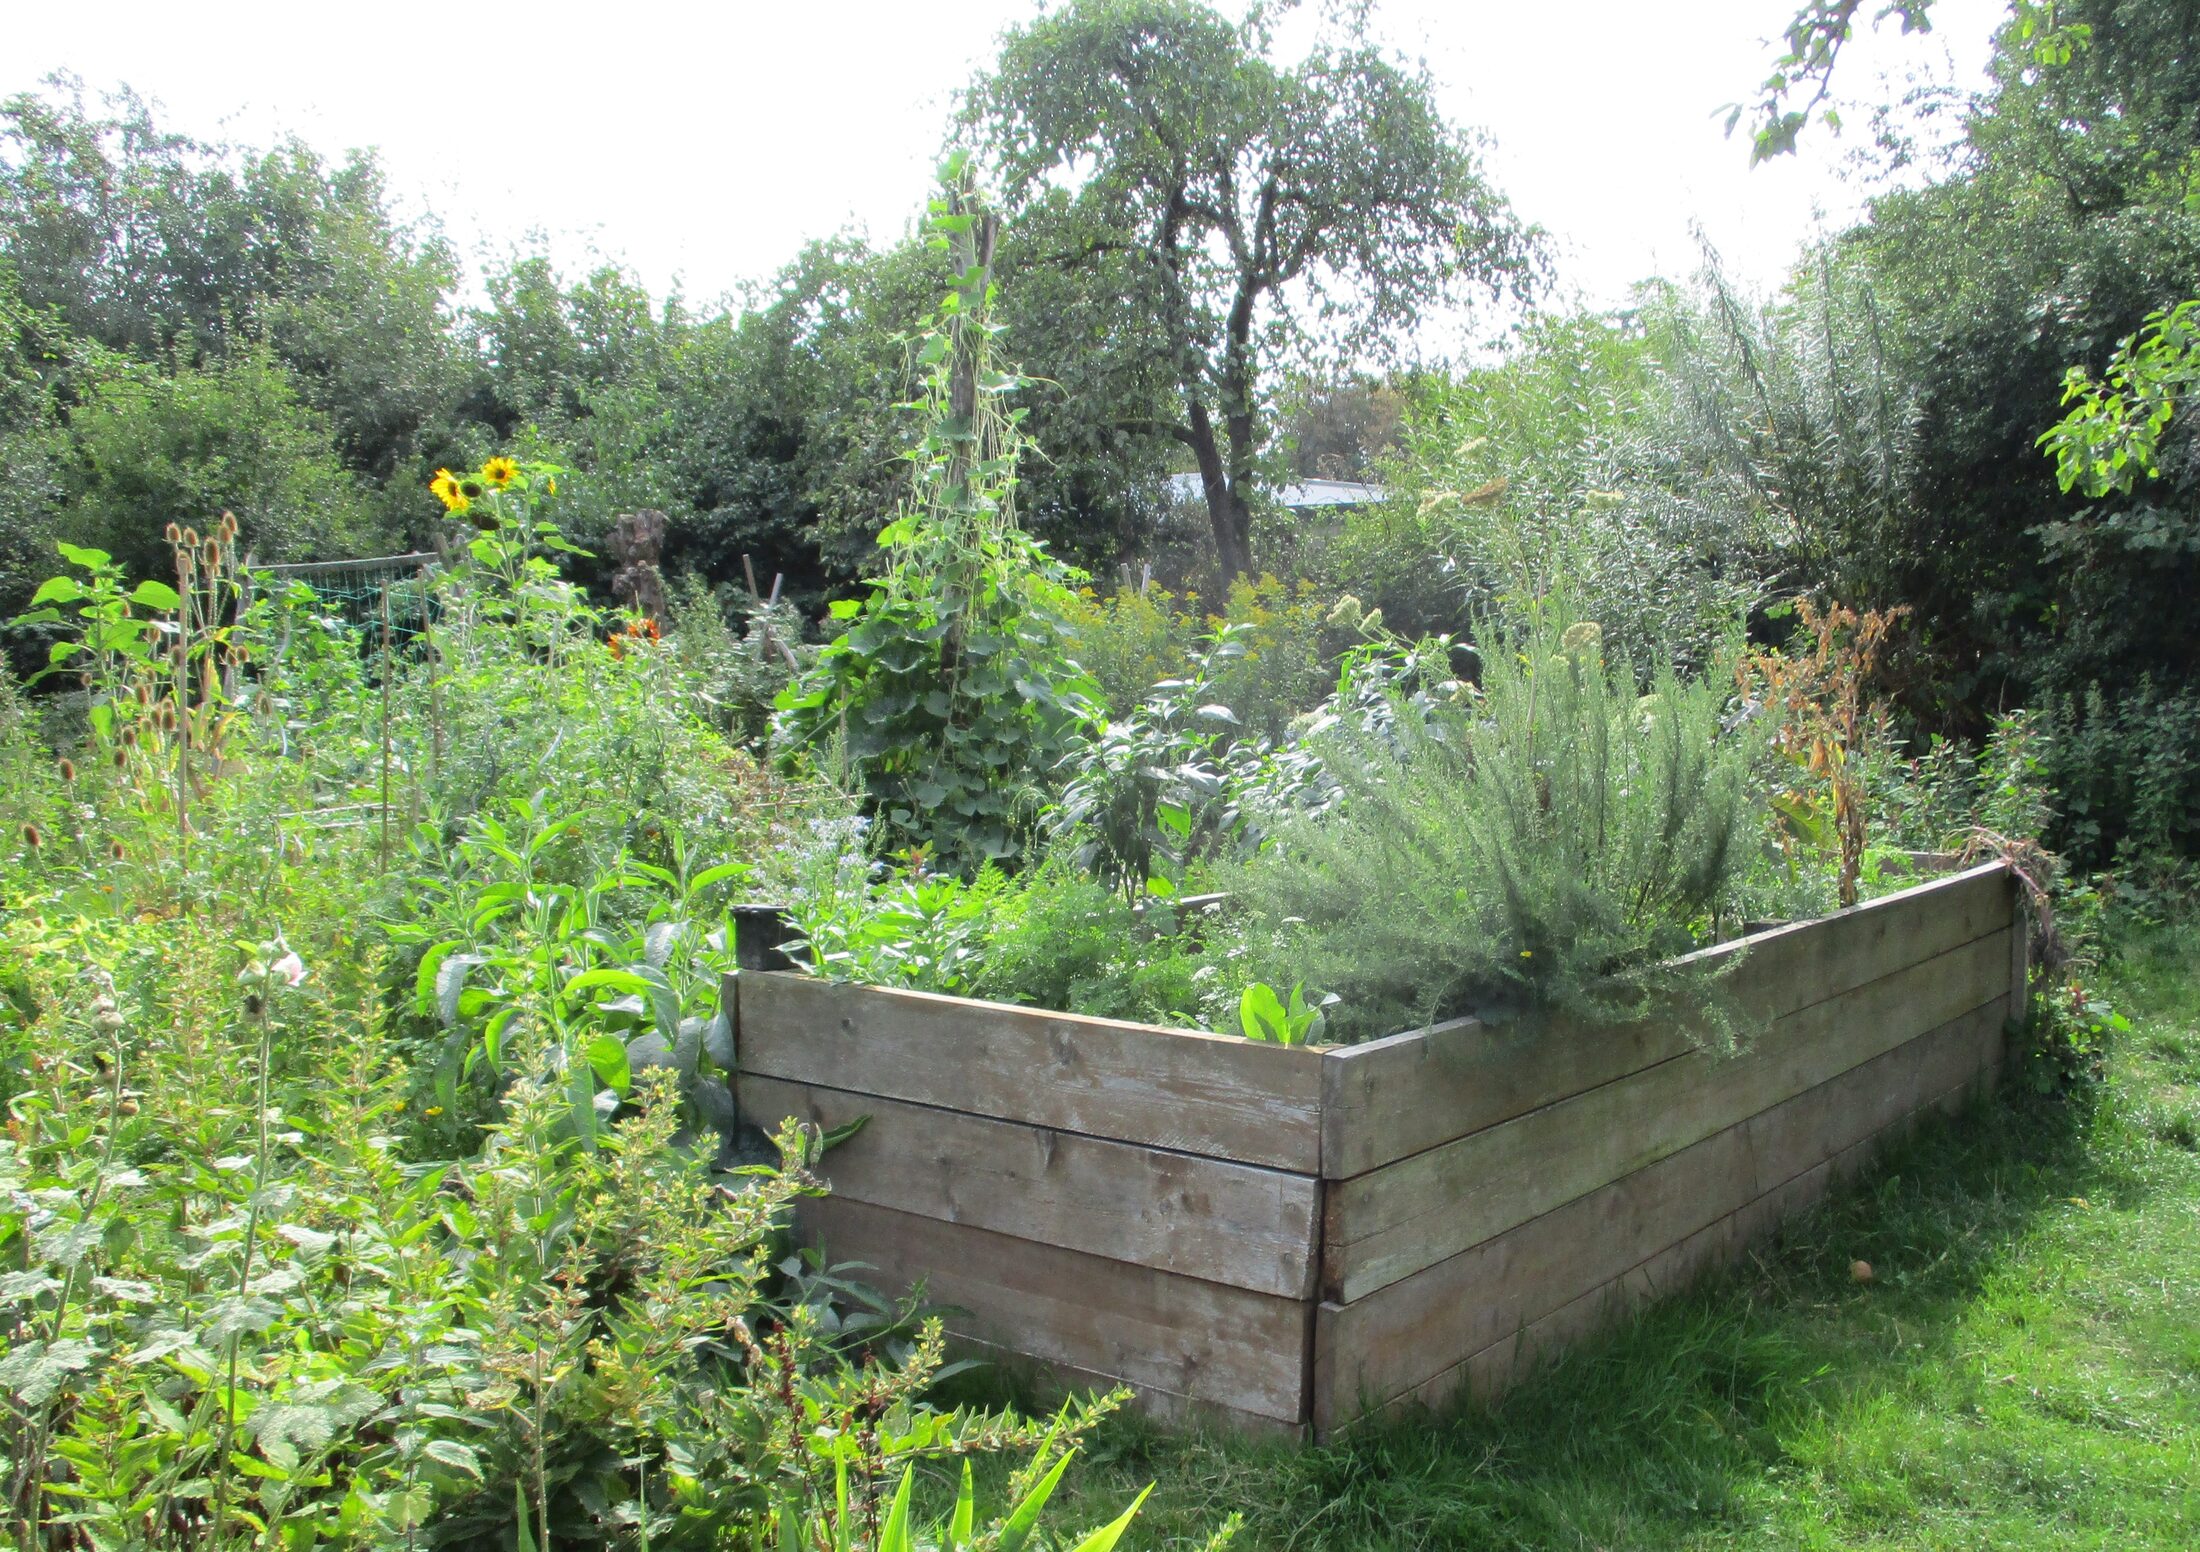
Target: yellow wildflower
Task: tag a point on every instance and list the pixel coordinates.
(445, 487)
(500, 472)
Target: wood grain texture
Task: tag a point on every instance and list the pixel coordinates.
(1398, 1338)
(1193, 1339)
(1219, 1095)
(1389, 1099)
(1238, 1224)
(1392, 1222)
(1050, 1383)
(1488, 1373)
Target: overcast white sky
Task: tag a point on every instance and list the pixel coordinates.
(706, 143)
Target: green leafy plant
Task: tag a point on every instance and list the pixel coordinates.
(1546, 838)
(1265, 1016)
(2111, 431)
(1146, 793)
(950, 688)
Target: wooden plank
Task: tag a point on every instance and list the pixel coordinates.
(1394, 1339)
(1192, 1092)
(1394, 1221)
(1147, 1328)
(1496, 1368)
(1228, 1223)
(1389, 1099)
(1050, 1382)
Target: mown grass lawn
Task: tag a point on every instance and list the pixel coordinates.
(2023, 1372)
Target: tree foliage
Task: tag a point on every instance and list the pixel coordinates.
(1226, 211)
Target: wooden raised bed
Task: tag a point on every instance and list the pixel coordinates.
(1294, 1237)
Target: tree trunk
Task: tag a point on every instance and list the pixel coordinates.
(1228, 514)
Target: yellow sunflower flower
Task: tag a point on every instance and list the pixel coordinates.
(445, 488)
(500, 472)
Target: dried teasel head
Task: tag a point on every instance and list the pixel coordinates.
(166, 716)
(114, 850)
(129, 737)
(122, 759)
(211, 553)
(173, 534)
(190, 538)
(227, 527)
(67, 767)
(33, 837)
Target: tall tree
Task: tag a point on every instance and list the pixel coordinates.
(1229, 212)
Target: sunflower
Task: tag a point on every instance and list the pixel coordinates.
(551, 486)
(471, 488)
(445, 487)
(500, 472)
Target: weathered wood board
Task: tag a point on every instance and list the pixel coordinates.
(1239, 1224)
(1283, 1237)
(1188, 1091)
(1194, 1339)
(1392, 1098)
(1389, 1342)
(1393, 1221)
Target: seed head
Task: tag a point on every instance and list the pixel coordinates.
(68, 769)
(33, 837)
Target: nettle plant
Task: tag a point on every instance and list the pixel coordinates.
(951, 692)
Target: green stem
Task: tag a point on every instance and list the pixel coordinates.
(244, 1272)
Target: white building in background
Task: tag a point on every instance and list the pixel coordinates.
(1328, 498)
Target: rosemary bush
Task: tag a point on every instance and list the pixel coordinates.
(1546, 837)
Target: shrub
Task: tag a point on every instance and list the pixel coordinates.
(2124, 770)
(1545, 838)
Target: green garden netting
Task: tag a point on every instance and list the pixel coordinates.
(360, 591)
